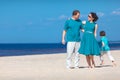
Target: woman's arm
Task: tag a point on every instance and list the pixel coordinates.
(95, 32)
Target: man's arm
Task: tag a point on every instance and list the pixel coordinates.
(63, 36)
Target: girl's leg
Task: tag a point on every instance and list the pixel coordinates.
(111, 58)
(88, 61)
(101, 58)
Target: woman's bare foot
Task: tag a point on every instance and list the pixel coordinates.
(90, 67)
(93, 66)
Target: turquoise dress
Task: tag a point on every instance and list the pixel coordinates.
(89, 45)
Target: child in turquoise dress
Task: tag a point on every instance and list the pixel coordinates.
(89, 45)
(105, 49)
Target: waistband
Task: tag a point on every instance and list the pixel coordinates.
(89, 31)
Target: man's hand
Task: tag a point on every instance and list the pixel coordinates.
(63, 42)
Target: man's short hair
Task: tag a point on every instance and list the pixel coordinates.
(75, 12)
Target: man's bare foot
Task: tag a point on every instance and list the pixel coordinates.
(102, 63)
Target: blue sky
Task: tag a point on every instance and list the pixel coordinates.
(42, 21)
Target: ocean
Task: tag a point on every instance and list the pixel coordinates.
(17, 49)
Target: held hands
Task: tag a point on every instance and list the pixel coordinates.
(83, 22)
(82, 30)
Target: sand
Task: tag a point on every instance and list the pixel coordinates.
(52, 67)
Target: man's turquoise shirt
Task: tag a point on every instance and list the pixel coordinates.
(72, 28)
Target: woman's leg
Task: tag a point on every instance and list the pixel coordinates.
(92, 60)
(88, 61)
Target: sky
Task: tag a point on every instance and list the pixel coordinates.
(42, 21)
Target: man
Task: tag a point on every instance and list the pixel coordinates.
(72, 33)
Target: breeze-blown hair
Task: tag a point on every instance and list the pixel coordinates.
(94, 15)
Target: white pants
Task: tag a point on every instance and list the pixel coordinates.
(109, 55)
(72, 54)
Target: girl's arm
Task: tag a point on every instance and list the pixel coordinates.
(103, 44)
(95, 32)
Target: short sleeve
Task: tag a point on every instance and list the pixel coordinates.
(66, 25)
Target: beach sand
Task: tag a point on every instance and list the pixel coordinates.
(53, 67)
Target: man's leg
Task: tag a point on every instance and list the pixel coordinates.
(70, 49)
(77, 57)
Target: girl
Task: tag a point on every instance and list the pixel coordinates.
(89, 45)
(105, 49)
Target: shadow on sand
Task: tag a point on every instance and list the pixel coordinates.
(101, 66)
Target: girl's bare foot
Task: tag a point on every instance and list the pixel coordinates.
(114, 64)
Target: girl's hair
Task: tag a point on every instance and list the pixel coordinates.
(94, 15)
(102, 33)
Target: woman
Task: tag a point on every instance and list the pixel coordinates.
(89, 45)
